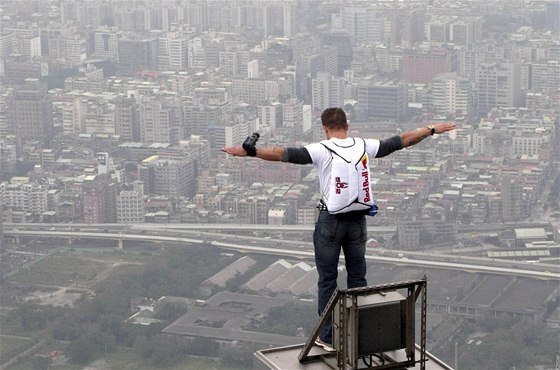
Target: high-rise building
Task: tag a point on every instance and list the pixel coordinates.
(410, 25)
(466, 30)
(199, 118)
(498, 84)
(437, 29)
(136, 55)
(452, 95)
(255, 91)
(234, 62)
(528, 143)
(173, 52)
(67, 46)
(3, 117)
(365, 25)
(512, 191)
(230, 133)
(545, 76)
(292, 115)
(17, 70)
(68, 11)
(8, 160)
(270, 116)
(342, 41)
(253, 69)
(99, 199)
(23, 195)
(106, 45)
(327, 92)
(73, 111)
(553, 16)
(273, 24)
(89, 78)
(6, 42)
(130, 204)
(93, 14)
(420, 66)
(196, 55)
(171, 176)
(382, 100)
(27, 47)
(309, 64)
(126, 119)
(29, 112)
(160, 121)
(99, 118)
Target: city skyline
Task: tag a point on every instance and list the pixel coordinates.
(114, 112)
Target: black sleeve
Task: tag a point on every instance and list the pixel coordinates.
(297, 156)
(389, 145)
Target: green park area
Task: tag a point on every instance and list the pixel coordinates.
(11, 346)
(72, 267)
(60, 269)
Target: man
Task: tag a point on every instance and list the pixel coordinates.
(343, 167)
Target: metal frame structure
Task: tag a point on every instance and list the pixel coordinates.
(343, 306)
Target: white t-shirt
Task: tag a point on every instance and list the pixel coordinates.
(321, 157)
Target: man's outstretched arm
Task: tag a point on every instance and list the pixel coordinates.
(411, 138)
(298, 155)
(275, 154)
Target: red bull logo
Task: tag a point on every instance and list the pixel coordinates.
(365, 178)
(340, 185)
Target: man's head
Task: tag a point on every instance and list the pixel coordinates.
(334, 119)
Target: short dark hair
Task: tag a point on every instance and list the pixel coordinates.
(334, 118)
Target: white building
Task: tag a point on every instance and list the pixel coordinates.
(545, 76)
(253, 69)
(529, 142)
(73, 116)
(173, 52)
(498, 85)
(159, 121)
(292, 113)
(234, 62)
(130, 204)
(327, 91)
(452, 94)
(21, 194)
(270, 116)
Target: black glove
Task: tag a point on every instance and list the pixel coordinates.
(249, 144)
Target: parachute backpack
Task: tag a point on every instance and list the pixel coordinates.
(348, 188)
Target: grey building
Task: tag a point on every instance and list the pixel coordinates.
(29, 112)
(171, 176)
(382, 100)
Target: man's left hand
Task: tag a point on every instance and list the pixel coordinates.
(442, 127)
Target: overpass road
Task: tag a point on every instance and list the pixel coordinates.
(552, 272)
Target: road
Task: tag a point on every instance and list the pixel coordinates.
(427, 260)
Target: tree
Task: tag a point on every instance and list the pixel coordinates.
(40, 362)
(240, 357)
(171, 310)
(203, 347)
(31, 316)
(288, 319)
(143, 347)
(82, 351)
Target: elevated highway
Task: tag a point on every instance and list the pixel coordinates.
(374, 230)
(294, 252)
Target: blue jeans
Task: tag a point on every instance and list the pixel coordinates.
(331, 233)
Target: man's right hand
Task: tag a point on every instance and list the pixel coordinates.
(235, 151)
